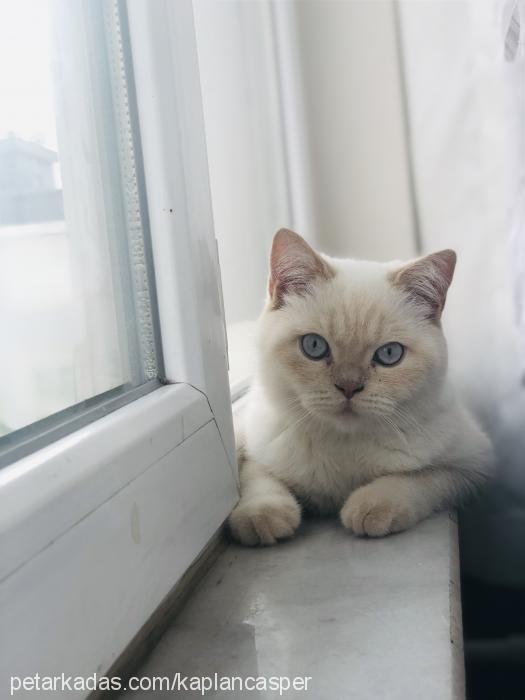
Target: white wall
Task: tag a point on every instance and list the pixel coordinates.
(246, 152)
(354, 113)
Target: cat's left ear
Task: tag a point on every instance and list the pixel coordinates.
(427, 281)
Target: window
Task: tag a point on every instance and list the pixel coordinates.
(106, 519)
(77, 305)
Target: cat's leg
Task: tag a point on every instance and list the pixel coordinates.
(267, 511)
(397, 501)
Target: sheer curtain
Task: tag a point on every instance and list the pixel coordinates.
(465, 78)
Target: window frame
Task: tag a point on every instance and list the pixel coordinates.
(166, 74)
(22, 442)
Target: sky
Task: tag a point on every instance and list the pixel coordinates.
(26, 89)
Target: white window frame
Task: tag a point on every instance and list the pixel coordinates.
(97, 527)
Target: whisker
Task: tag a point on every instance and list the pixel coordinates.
(412, 422)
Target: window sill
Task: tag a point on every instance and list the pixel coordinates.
(363, 618)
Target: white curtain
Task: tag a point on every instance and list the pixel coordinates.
(465, 77)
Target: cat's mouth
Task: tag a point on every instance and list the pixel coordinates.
(346, 418)
(346, 409)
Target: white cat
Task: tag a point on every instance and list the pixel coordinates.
(350, 408)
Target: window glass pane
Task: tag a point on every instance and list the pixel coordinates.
(76, 311)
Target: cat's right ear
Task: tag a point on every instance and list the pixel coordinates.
(294, 266)
(426, 281)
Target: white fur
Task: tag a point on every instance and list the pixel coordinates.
(408, 447)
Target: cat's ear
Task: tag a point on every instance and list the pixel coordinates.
(427, 281)
(294, 266)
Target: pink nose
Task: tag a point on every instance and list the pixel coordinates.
(350, 388)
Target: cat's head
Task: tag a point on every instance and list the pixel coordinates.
(348, 341)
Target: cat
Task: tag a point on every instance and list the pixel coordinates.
(350, 409)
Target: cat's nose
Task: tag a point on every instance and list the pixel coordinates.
(350, 388)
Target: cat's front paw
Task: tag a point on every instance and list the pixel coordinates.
(375, 511)
(265, 520)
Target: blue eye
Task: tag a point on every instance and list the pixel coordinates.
(389, 354)
(314, 346)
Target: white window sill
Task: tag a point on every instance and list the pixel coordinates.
(364, 618)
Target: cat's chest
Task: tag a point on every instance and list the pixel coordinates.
(323, 474)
